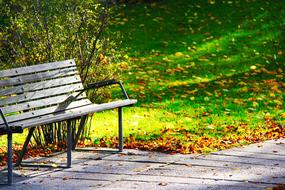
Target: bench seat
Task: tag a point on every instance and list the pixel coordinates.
(56, 116)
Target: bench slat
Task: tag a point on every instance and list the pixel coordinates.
(41, 103)
(41, 94)
(45, 111)
(39, 85)
(36, 68)
(38, 76)
(72, 113)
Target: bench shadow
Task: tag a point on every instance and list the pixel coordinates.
(43, 166)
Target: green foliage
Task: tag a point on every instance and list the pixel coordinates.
(37, 31)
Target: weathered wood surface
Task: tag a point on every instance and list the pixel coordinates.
(36, 68)
(41, 94)
(39, 85)
(58, 113)
(135, 169)
(52, 110)
(44, 102)
(38, 76)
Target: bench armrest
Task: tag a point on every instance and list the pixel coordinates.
(107, 83)
(101, 84)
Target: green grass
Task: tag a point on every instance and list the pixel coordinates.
(200, 66)
(17, 139)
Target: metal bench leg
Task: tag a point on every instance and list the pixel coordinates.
(25, 147)
(10, 159)
(80, 129)
(120, 116)
(69, 143)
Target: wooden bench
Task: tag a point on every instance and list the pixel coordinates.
(36, 95)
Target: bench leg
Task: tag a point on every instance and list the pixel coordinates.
(25, 147)
(80, 129)
(69, 143)
(10, 159)
(121, 141)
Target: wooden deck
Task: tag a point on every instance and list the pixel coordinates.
(257, 166)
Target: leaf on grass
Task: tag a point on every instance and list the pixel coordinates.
(178, 54)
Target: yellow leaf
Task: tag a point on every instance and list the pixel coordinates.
(253, 67)
(255, 104)
(210, 126)
(126, 56)
(278, 102)
(272, 95)
(267, 116)
(208, 93)
(212, 2)
(189, 119)
(206, 99)
(54, 165)
(192, 91)
(178, 54)
(166, 59)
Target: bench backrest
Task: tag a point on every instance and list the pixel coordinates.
(31, 91)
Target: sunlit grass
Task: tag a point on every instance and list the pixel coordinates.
(136, 121)
(207, 66)
(17, 139)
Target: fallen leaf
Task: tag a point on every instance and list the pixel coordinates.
(178, 54)
(188, 165)
(54, 165)
(163, 184)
